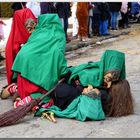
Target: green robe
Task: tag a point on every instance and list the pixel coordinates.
(92, 73)
(42, 60)
(81, 108)
(84, 107)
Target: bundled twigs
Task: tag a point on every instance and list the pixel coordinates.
(12, 116)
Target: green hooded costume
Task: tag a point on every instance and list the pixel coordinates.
(84, 107)
(42, 60)
(93, 72)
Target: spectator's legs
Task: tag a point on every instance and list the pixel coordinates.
(126, 20)
(88, 26)
(121, 23)
(101, 28)
(65, 25)
(92, 25)
(114, 20)
(111, 20)
(62, 21)
(96, 24)
(104, 27)
(83, 26)
(75, 26)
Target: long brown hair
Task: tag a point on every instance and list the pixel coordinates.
(120, 101)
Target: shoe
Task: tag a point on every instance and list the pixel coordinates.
(125, 27)
(79, 38)
(98, 43)
(106, 34)
(85, 39)
(68, 40)
(98, 35)
(74, 37)
(1, 57)
(8, 91)
(112, 29)
(90, 35)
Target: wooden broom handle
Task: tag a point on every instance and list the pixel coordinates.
(49, 92)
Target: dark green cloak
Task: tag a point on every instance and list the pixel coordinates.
(41, 60)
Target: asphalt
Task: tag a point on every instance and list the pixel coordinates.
(126, 41)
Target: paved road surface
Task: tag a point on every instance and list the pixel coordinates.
(112, 127)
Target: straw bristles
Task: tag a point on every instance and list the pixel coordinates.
(12, 116)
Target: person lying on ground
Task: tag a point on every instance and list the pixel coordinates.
(110, 98)
(107, 74)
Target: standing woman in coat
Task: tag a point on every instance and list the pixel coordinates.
(82, 16)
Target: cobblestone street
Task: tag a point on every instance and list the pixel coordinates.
(111, 127)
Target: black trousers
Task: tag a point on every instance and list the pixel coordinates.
(64, 94)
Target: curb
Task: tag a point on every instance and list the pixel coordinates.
(92, 43)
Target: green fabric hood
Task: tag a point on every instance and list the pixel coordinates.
(93, 72)
(41, 60)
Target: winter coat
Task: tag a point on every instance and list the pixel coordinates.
(104, 9)
(135, 8)
(63, 9)
(47, 7)
(96, 9)
(114, 6)
(18, 5)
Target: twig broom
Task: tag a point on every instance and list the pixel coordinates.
(12, 116)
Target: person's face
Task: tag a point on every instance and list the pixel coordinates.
(30, 25)
(30, 29)
(108, 80)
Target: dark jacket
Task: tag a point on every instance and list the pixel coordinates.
(114, 6)
(47, 7)
(104, 8)
(63, 9)
(96, 8)
(18, 5)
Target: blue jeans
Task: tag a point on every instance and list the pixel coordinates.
(104, 27)
(113, 20)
